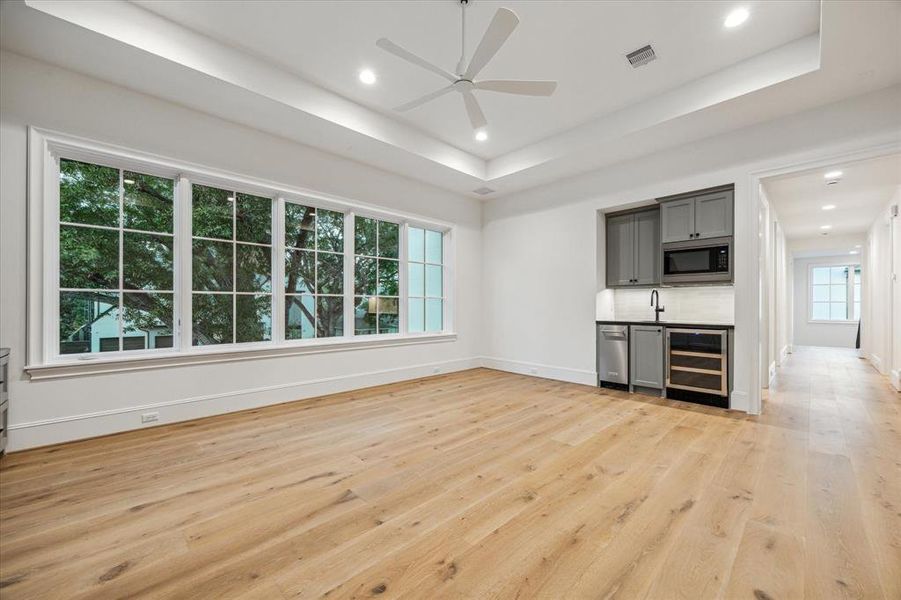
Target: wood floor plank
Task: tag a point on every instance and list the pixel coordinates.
(478, 484)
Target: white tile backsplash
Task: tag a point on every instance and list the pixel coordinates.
(704, 304)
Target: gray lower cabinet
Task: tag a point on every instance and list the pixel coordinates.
(633, 249)
(646, 356)
(697, 217)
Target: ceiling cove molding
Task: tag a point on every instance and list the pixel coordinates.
(134, 26)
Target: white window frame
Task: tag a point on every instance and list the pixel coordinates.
(850, 299)
(43, 358)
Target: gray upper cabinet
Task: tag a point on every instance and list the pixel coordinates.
(633, 249)
(677, 220)
(646, 356)
(713, 215)
(620, 242)
(698, 217)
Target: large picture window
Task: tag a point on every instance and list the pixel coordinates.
(314, 272)
(116, 268)
(834, 293)
(376, 276)
(150, 258)
(231, 267)
(425, 266)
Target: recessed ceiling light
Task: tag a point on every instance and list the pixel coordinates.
(481, 135)
(367, 76)
(828, 206)
(853, 252)
(825, 226)
(832, 175)
(736, 17)
(858, 246)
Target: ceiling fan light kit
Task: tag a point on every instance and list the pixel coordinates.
(464, 81)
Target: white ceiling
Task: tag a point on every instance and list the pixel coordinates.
(580, 44)
(290, 69)
(864, 190)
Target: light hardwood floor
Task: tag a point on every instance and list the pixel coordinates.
(478, 484)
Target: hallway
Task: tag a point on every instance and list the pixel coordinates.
(848, 418)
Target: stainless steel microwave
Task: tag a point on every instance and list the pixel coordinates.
(698, 261)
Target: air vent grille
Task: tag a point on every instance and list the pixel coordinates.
(483, 191)
(642, 56)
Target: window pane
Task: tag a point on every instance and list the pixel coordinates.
(331, 230)
(300, 317)
(148, 202)
(821, 293)
(389, 235)
(300, 226)
(838, 311)
(365, 311)
(434, 315)
(254, 269)
(838, 293)
(212, 212)
(329, 316)
(253, 219)
(300, 271)
(433, 283)
(821, 274)
(820, 311)
(416, 279)
(857, 311)
(88, 258)
(88, 193)
(212, 266)
(147, 262)
(857, 295)
(365, 236)
(212, 315)
(416, 244)
(416, 315)
(149, 317)
(253, 318)
(330, 274)
(857, 276)
(388, 317)
(433, 250)
(388, 285)
(85, 318)
(839, 275)
(365, 276)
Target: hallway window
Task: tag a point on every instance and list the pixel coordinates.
(834, 293)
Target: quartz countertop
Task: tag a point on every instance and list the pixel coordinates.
(666, 323)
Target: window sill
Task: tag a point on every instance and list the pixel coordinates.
(96, 366)
(821, 322)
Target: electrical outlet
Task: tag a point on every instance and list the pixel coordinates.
(436, 370)
(533, 371)
(151, 417)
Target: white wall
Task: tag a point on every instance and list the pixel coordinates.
(841, 335)
(882, 260)
(541, 254)
(784, 277)
(48, 411)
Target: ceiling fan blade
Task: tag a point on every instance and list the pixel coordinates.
(502, 25)
(476, 116)
(389, 46)
(423, 99)
(511, 86)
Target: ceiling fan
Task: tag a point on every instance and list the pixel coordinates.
(464, 82)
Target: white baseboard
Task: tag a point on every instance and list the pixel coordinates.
(877, 363)
(895, 378)
(75, 427)
(540, 370)
(783, 354)
(739, 401)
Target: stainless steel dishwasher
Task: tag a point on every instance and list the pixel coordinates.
(613, 356)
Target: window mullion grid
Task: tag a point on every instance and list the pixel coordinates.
(402, 271)
(184, 254)
(278, 271)
(234, 203)
(349, 266)
(121, 260)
